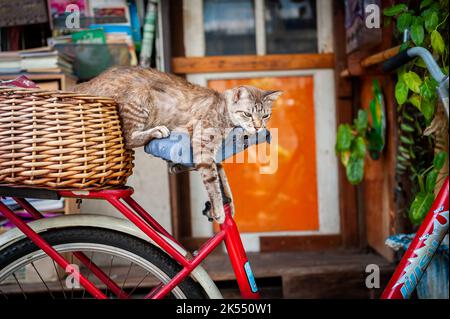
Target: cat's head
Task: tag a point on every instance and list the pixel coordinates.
(250, 107)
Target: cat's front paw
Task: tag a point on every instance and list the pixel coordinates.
(160, 132)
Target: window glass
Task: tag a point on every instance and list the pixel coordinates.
(229, 27)
(290, 26)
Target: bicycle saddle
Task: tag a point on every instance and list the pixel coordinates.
(177, 148)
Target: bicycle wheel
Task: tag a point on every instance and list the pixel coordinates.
(133, 264)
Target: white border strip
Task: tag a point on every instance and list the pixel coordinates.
(260, 27)
(324, 26)
(194, 32)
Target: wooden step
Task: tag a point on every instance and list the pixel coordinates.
(330, 274)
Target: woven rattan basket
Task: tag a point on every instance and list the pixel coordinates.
(61, 140)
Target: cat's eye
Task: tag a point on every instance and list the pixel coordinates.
(266, 116)
(247, 114)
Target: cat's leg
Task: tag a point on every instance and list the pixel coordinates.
(141, 138)
(226, 186)
(204, 150)
(210, 177)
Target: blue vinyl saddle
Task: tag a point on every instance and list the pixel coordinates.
(177, 147)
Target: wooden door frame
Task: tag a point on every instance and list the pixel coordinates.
(349, 236)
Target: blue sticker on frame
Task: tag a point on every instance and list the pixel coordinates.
(250, 277)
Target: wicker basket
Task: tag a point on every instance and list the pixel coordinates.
(61, 140)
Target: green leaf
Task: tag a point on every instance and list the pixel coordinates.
(404, 46)
(361, 121)
(401, 92)
(437, 42)
(439, 160)
(403, 159)
(427, 109)
(431, 21)
(359, 147)
(433, 8)
(417, 33)
(425, 3)
(428, 89)
(413, 81)
(344, 138)
(355, 169)
(406, 140)
(407, 128)
(404, 21)
(430, 183)
(403, 149)
(415, 100)
(394, 10)
(419, 62)
(420, 207)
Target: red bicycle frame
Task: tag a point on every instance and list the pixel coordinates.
(122, 200)
(421, 250)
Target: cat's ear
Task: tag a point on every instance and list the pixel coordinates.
(271, 96)
(239, 93)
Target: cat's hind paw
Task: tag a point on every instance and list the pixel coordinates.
(219, 215)
(220, 218)
(160, 132)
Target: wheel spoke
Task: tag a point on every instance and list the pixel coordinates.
(146, 275)
(128, 273)
(3, 294)
(20, 286)
(87, 276)
(43, 281)
(109, 274)
(59, 279)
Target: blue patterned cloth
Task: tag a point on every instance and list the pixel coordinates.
(177, 147)
(402, 241)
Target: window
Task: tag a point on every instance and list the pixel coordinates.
(235, 27)
(290, 26)
(229, 27)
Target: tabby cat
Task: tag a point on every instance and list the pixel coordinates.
(153, 103)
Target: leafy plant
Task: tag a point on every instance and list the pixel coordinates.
(415, 93)
(355, 141)
(351, 146)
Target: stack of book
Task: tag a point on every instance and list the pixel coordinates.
(10, 62)
(101, 22)
(39, 60)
